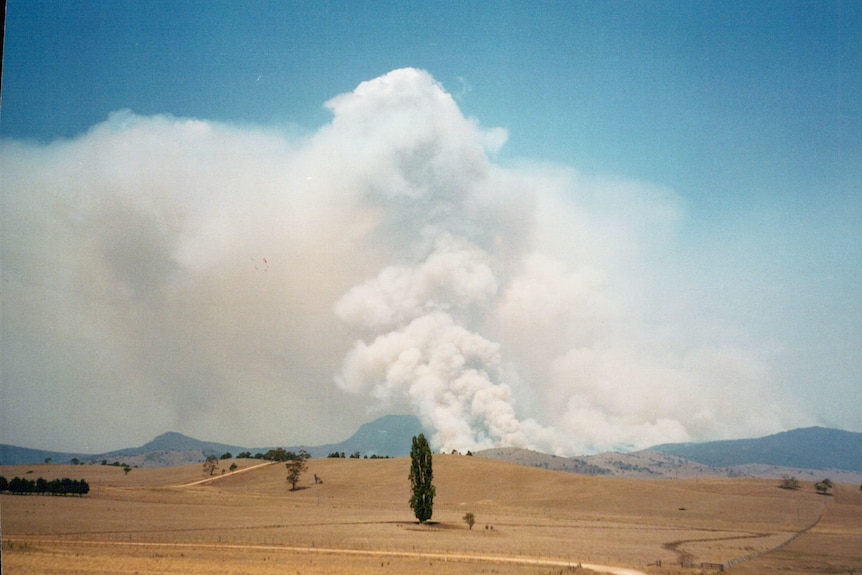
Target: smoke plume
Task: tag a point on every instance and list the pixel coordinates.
(165, 273)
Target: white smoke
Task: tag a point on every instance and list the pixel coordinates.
(450, 375)
(164, 273)
(488, 339)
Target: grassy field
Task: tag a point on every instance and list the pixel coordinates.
(358, 521)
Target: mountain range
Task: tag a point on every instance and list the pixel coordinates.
(387, 436)
(805, 453)
(810, 448)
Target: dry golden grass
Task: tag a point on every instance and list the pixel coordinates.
(147, 522)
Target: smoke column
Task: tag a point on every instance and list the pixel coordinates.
(442, 206)
(218, 278)
(501, 312)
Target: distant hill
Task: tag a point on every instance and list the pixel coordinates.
(173, 441)
(543, 460)
(808, 454)
(640, 465)
(804, 453)
(808, 448)
(13, 455)
(389, 435)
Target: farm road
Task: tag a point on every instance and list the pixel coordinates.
(445, 557)
(231, 474)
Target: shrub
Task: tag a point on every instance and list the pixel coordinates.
(789, 482)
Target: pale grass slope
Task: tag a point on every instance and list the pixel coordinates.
(361, 507)
(649, 464)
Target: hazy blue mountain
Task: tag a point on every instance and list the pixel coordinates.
(808, 448)
(13, 455)
(173, 441)
(389, 435)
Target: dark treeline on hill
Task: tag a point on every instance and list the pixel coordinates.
(355, 455)
(42, 486)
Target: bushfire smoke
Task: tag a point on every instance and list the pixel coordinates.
(213, 279)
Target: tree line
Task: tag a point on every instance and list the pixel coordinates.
(42, 486)
(278, 454)
(355, 455)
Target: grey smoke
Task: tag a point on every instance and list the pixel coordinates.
(503, 304)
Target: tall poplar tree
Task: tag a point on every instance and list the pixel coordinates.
(421, 479)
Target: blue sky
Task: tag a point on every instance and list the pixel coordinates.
(652, 90)
(743, 120)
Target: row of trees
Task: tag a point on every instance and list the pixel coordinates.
(277, 454)
(355, 455)
(42, 486)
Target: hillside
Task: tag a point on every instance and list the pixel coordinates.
(359, 512)
(808, 448)
(389, 435)
(804, 453)
(640, 465)
(14, 455)
(808, 454)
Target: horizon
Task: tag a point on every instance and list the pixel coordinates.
(572, 229)
(289, 444)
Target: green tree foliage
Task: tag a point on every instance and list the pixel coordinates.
(296, 465)
(789, 482)
(421, 479)
(470, 520)
(824, 486)
(211, 464)
(41, 486)
(226, 455)
(279, 454)
(244, 455)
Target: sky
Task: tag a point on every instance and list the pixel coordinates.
(565, 226)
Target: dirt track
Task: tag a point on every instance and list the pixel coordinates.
(443, 557)
(223, 475)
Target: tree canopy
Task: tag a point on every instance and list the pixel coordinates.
(296, 466)
(42, 486)
(421, 479)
